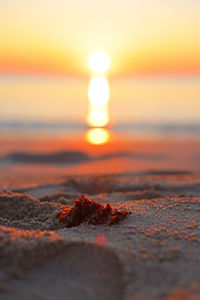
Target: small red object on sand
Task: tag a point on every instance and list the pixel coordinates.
(101, 239)
(91, 211)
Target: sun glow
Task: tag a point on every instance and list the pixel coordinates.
(99, 62)
(97, 136)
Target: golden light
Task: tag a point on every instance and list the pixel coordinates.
(97, 136)
(98, 92)
(99, 62)
(98, 117)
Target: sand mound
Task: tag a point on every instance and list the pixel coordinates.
(26, 212)
(76, 271)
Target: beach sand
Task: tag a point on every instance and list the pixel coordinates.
(153, 253)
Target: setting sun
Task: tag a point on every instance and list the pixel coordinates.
(99, 62)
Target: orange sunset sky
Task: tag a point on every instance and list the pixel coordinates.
(140, 36)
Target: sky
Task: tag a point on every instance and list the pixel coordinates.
(153, 45)
(142, 37)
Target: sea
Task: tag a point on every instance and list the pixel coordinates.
(138, 106)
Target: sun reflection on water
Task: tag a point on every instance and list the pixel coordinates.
(98, 117)
(98, 94)
(97, 136)
(98, 91)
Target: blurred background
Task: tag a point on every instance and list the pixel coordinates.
(154, 75)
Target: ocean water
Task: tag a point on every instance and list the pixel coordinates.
(143, 130)
(164, 106)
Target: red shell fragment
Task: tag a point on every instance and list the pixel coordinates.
(91, 211)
